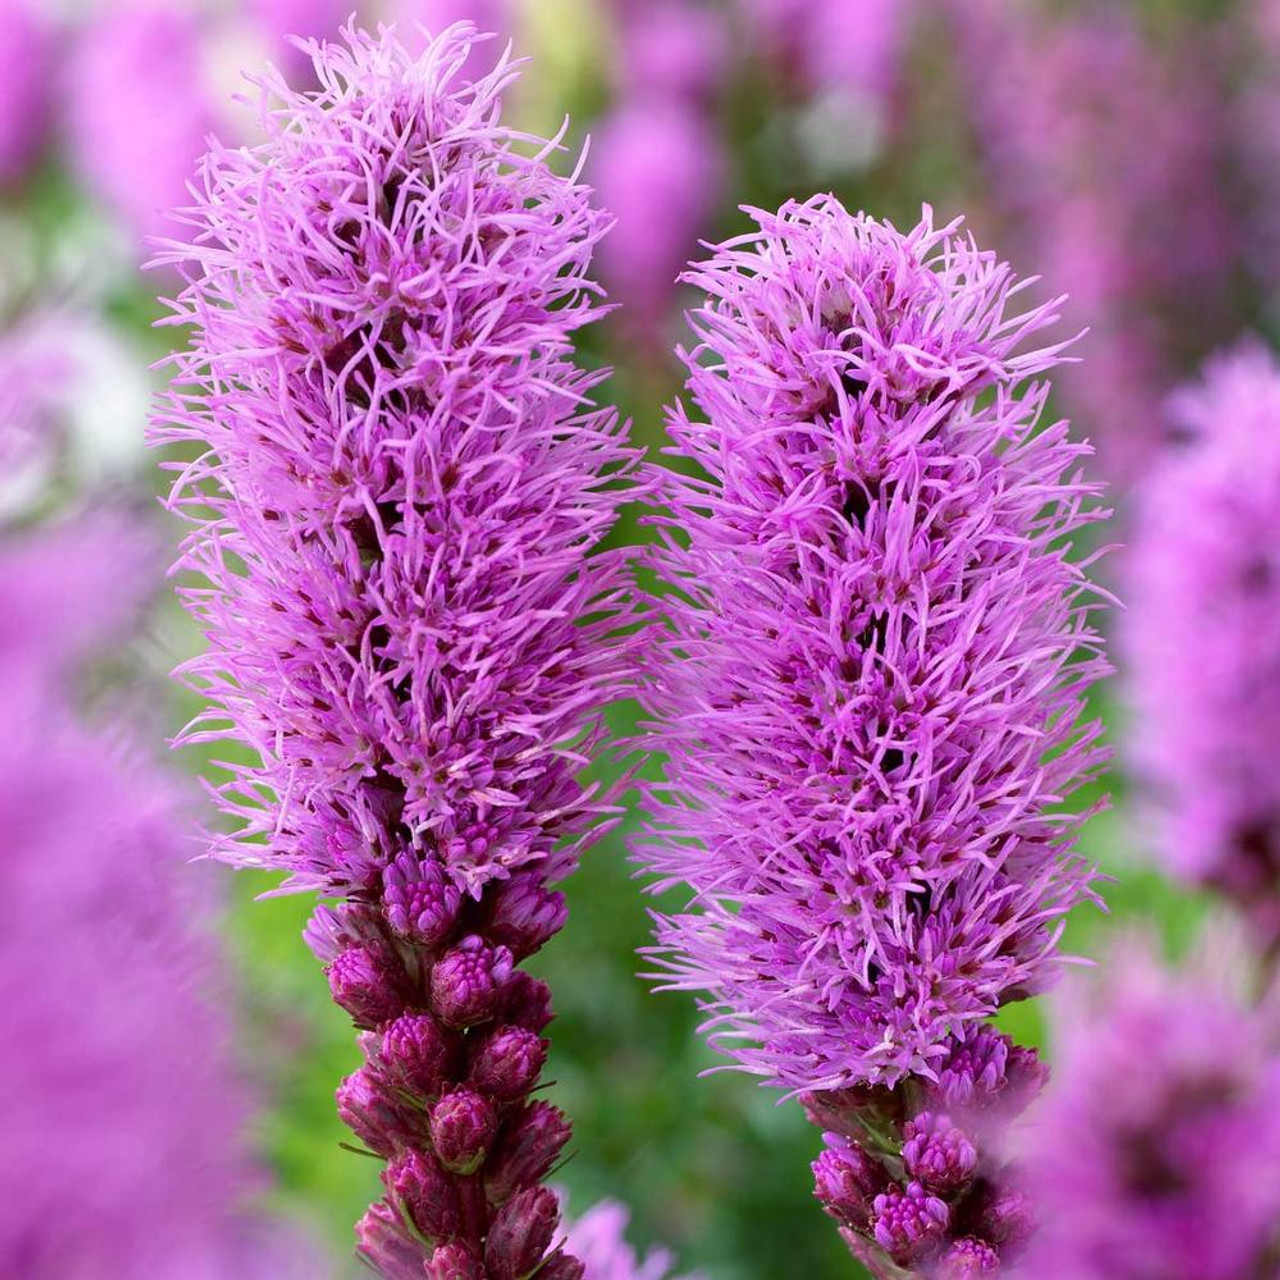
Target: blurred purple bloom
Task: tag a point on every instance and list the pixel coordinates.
(599, 1240)
(120, 1110)
(139, 110)
(398, 520)
(849, 45)
(278, 20)
(871, 692)
(1157, 1150)
(1103, 153)
(1202, 635)
(658, 166)
(26, 78)
(670, 49)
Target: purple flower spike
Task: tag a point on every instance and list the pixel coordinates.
(373, 1116)
(402, 488)
(1202, 633)
(870, 694)
(907, 1224)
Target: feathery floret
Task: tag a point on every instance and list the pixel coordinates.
(870, 694)
(399, 507)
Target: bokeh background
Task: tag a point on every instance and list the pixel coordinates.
(1127, 152)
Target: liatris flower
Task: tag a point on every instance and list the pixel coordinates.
(121, 1111)
(1203, 633)
(26, 54)
(1157, 1150)
(599, 1240)
(870, 692)
(409, 618)
(659, 163)
(139, 110)
(659, 166)
(1101, 149)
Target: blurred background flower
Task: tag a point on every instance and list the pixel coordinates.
(1128, 151)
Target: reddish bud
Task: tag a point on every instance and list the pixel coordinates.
(521, 1231)
(463, 1125)
(364, 985)
(467, 983)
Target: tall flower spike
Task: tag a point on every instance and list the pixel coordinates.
(399, 511)
(1202, 633)
(870, 692)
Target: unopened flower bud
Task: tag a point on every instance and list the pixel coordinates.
(384, 1243)
(521, 1231)
(937, 1153)
(507, 1065)
(374, 1117)
(908, 1223)
(427, 1193)
(529, 1147)
(363, 984)
(453, 1261)
(421, 902)
(527, 1002)
(463, 1125)
(847, 1180)
(467, 983)
(416, 1053)
(1004, 1216)
(1025, 1075)
(526, 913)
(967, 1259)
(563, 1266)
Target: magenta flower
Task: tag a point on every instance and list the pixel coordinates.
(1156, 1151)
(670, 49)
(658, 166)
(1203, 631)
(870, 700)
(1101, 152)
(139, 110)
(870, 691)
(26, 58)
(398, 518)
(599, 1240)
(121, 1110)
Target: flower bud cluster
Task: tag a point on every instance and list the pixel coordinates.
(915, 1175)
